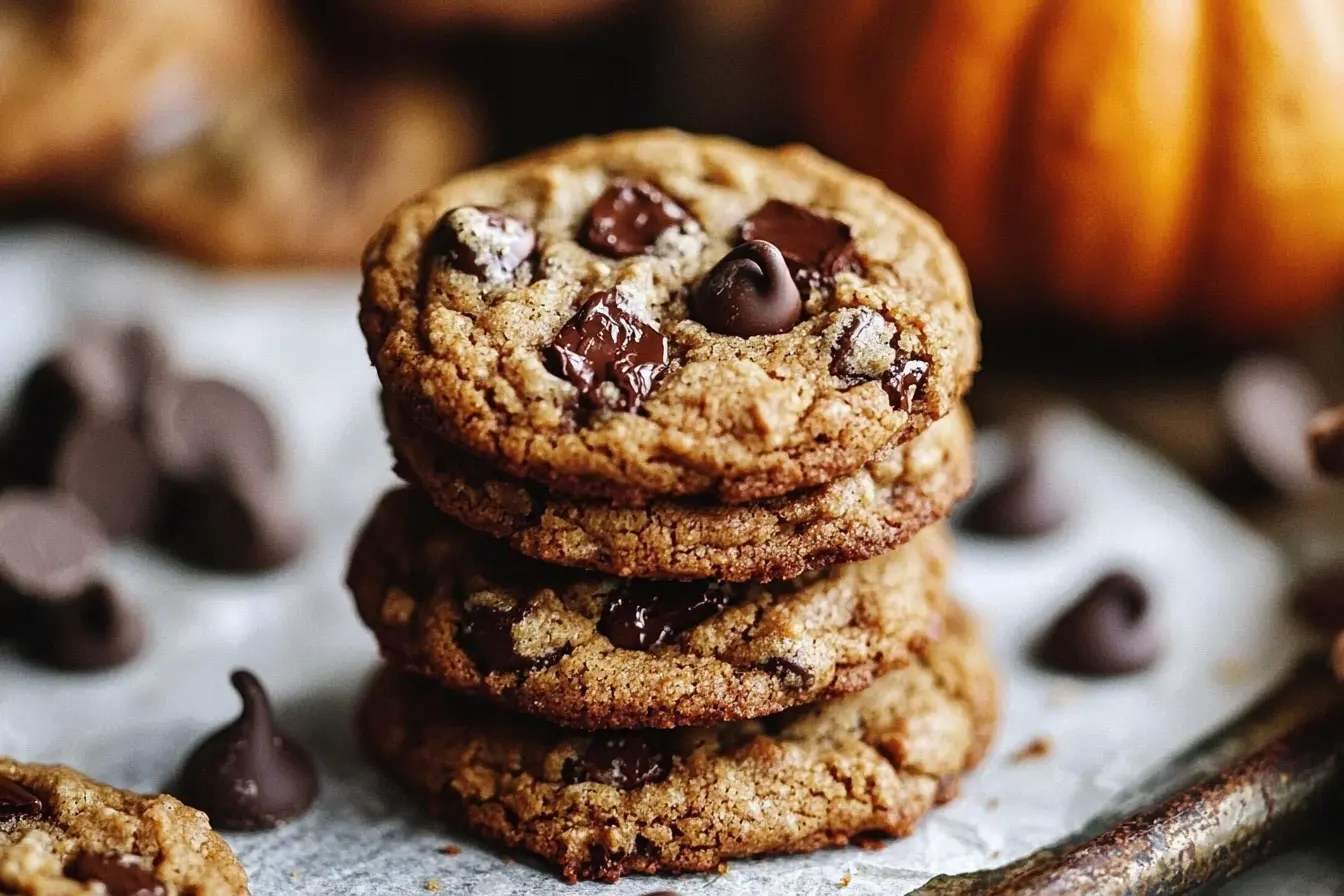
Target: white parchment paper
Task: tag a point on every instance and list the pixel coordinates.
(294, 341)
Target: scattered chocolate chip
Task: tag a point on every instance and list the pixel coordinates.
(748, 293)
(1327, 441)
(622, 760)
(816, 248)
(904, 382)
(1267, 403)
(248, 776)
(1025, 503)
(103, 463)
(611, 356)
(1109, 631)
(485, 242)
(1319, 598)
(208, 428)
(15, 799)
(50, 545)
(227, 526)
(628, 218)
(91, 630)
(641, 615)
(119, 875)
(789, 672)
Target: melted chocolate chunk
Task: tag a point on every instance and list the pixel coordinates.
(816, 248)
(15, 799)
(904, 383)
(611, 356)
(92, 630)
(748, 293)
(622, 760)
(248, 776)
(487, 637)
(863, 350)
(642, 615)
(628, 218)
(789, 672)
(119, 875)
(485, 242)
(1109, 631)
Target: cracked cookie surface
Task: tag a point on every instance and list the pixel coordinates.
(604, 804)
(902, 489)
(480, 295)
(593, 651)
(62, 834)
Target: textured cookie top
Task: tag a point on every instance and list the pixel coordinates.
(658, 313)
(594, 651)
(901, 490)
(608, 803)
(62, 834)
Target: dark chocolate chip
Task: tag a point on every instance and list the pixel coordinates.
(1267, 403)
(904, 382)
(217, 523)
(748, 293)
(248, 776)
(1025, 503)
(863, 339)
(103, 463)
(50, 545)
(88, 631)
(628, 218)
(1327, 441)
(207, 428)
(1319, 598)
(15, 799)
(1109, 631)
(611, 356)
(119, 875)
(815, 247)
(621, 760)
(789, 672)
(487, 637)
(484, 242)
(642, 615)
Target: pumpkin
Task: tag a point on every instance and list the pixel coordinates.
(1132, 161)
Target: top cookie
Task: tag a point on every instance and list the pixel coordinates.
(657, 313)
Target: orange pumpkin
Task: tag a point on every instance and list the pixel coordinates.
(1136, 161)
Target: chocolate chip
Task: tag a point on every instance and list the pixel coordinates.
(642, 615)
(1319, 598)
(1108, 632)
(91, 630)
(1327, 441)
(611, 356)
(204, 427)
(119, 875)
(863, 351)
(220, 524)
(484, 242)
(1025, 503)
(487, 637)
(103, 463)
(248, 776)
(789, 672)
(1267, 403)
(748, 293)
(50, 545)
(628, 218)
(15, 799)
(816, 248)
(621, 760)
(904, 382)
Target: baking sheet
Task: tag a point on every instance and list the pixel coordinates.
(293, 340)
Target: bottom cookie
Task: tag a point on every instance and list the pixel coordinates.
(62, 834)
(604, 804)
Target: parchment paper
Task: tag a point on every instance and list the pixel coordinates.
(294, 341)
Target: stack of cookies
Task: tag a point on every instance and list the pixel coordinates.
(680, 418)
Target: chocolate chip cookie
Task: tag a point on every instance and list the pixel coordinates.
(603, 804)
(62, 834)
(296, 172)
(658, 314)
(864, 514)
(592, 651)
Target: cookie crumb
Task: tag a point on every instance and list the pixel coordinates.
(1232, 671)
(295, 875)
(1038, 748)
(844, 881)
(723, 868)
(996, 854)
(432, 886)
(451, 850)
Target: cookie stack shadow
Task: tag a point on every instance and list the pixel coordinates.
(624, 648)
